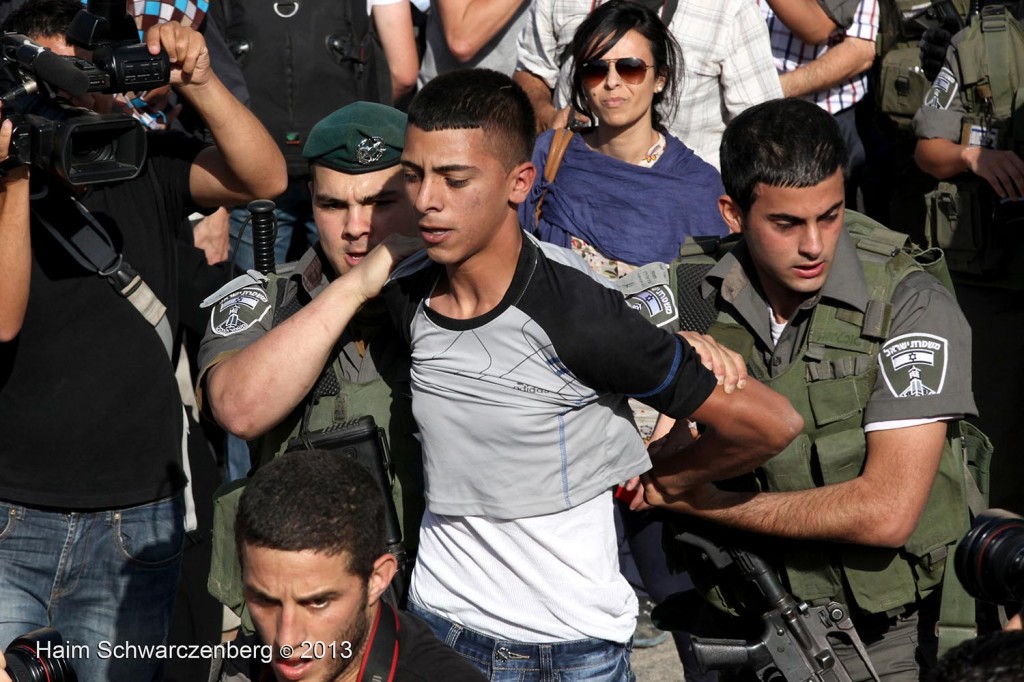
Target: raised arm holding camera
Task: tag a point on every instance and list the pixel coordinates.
(92, 487)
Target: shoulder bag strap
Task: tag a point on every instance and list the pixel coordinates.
(668, 11)
(81, 235)
(381, 657)
(559, 143)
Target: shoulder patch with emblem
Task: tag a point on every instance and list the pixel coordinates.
(648, 290)
(914, 365)
(239, 311)
(943, 90)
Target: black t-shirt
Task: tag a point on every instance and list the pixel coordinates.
(90, 413)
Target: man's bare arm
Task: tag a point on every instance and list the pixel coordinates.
(540, 95)
(397, 38)
(743, 429)
(253, 390)
(15, 243)
(1001, 168)
(470, 24)
(246, 162)
(881, 507)
(842, 61)
(805, 18)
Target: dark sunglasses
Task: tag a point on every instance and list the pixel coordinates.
(632, 70)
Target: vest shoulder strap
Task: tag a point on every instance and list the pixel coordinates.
(990, 56)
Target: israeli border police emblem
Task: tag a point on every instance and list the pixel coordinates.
(239, 311)
(943, 90)
(648, 290)
(370, 150)
(914, 365)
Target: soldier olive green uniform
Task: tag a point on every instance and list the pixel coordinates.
(354, 154)
(883, 341)
(369, 375)
(894, 186)
(972, 104)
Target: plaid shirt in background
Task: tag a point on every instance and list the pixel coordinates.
(790, 52)
(727, 62)
(150, 12)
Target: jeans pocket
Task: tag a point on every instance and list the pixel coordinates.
(151, 535)
(8, 519)
(610, 663)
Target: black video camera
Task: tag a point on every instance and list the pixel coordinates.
(990, 559)
(82, 146)
(38, 655)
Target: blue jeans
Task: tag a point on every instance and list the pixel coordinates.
(102, 578)
(594, 660)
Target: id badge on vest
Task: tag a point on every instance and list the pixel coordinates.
(979, 135)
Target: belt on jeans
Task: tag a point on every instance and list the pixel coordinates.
(509, 650)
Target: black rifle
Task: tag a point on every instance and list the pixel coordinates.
(362, 441)
(940, 14)
(793, 644)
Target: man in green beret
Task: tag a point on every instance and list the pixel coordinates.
(276, 366)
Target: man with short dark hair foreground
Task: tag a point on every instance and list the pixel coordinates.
(310, 537)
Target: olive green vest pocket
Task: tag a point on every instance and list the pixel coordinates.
(810, 573)
(225, 581)
(833, 401)
(978, 451)
(841, 455)
(902, 85)
(954, 225)
(980, 244)
(792, 472)
(879, 578)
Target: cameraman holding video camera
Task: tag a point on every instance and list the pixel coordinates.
(91, 490)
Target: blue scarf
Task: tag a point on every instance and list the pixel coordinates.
(628, 213)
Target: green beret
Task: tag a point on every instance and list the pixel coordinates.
(358, 138)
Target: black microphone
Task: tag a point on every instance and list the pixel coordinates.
(46, 65)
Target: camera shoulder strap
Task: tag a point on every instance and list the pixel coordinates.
(82, 236)
(381, 658)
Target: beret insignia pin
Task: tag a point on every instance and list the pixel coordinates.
(370, 150)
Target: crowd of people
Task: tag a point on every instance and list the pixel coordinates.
(586, 286)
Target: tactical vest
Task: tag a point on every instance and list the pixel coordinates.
(991, 58)
(333, 400)
(901, 85)
(829, 385)
(982, 237)
(302, 61)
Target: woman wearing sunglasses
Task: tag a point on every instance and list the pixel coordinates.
(627, 192)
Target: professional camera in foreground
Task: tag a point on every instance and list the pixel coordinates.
(990, 559)
(28, 659)
(81, 145)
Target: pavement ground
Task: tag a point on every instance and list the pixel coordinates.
(657, 664)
